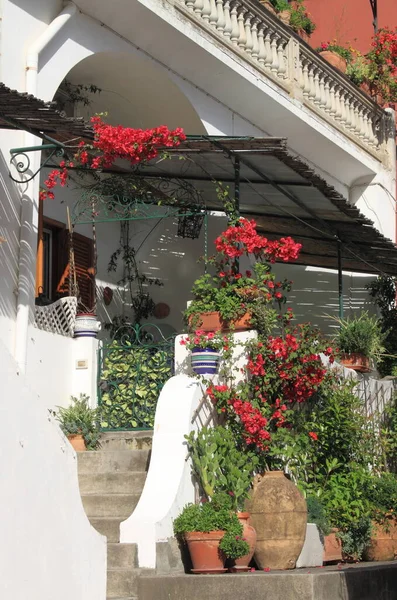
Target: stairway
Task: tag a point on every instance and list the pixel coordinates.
(111, 481)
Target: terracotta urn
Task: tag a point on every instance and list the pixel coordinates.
(357, 362)
(211, 321)
(279, 516)
(204, 551)
(249, 534)
(383, 544)
(77, 442)
(334, 59)
(332, 547)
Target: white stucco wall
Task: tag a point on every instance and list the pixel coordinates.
(48, 548)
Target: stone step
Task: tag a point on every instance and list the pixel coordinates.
(112, 483)
(113, 461)
(122, 583)
(107, 526)
(126, 440)
(122, 556)
(110, 505)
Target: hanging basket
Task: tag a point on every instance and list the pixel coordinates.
(189, 226)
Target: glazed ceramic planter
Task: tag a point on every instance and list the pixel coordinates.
(334, 59)
(357, 362)
(204, 551)
(205, 361)
(249, 534)
(86, 325)
(211, 321)
(279, 516)
(77, 442)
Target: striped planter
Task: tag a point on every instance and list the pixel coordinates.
(205, 361)
(86, 325)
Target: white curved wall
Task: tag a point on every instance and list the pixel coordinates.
(48, 548)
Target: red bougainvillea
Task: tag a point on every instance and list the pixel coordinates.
(112, 143)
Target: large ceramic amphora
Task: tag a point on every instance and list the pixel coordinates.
(279, 515)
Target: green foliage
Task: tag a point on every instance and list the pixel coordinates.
(216, 515)
(316, 514)
(381, 493)
(341, 50)
(383, 292)
(358, 69)
(300, 19)
(388, 436)
(357, 538)
(79, 418)
(362, 334)
(220, 466)
(131, 381)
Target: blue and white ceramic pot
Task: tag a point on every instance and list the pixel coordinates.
(205, 361)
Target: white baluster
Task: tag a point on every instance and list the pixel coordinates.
(268, 50)
(321, 82)
(312, 85)
(220, 21)
(328, 103)
(241, 29)
(338, 104)
(190, 5)
(205, 13)
(255, 41)
(361, 133)
(282, 66)
(228, 24)
(344, 116)
(306, 82)
(234, 34)
(261, 44)
(332, 111)
(198, 7)
(273, 44)
(248, 34)
(317, 93)
(213, 14)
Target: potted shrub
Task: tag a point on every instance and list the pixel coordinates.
(212, 533)
(219, 466)
(360, 339)
(381, 492)
(230, 300)
(206, 349)
(337, 56)
(300, 20)
(80, 423)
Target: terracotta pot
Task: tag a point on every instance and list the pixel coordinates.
(305, 36)
(365, 88)
(357, 362)
(77, 442)
(268, 5)
(332, 547)
(383, 544)
(211, 321)
(249, 534)
(285, 16)
(279, 515)
(204, 551)
(334, 59)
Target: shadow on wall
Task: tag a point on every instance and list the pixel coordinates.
(10, 208)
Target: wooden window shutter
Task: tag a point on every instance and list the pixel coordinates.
(84, 264)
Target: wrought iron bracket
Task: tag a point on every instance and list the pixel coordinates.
(21, 161)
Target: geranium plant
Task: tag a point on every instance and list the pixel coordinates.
(206, 340)
(345, 53)
(383, 64)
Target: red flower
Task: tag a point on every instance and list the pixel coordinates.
(313, 435)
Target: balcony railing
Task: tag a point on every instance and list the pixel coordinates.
(58, 317)
(259, 37)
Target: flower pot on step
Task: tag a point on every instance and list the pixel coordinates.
(279, 515)
(77, 442)
(334, 59)
(332, 547)
(205, 361)
(249, 534)
(204, 551)
(357, 362)
(211, 321)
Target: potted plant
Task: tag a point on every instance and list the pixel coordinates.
(382, 59)
(219, 466)
(381, 491)
(206, 348)
(212, 533)
(300, 20)
(230, 300)
(336, 55)
(80, 423)
(360, 339)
